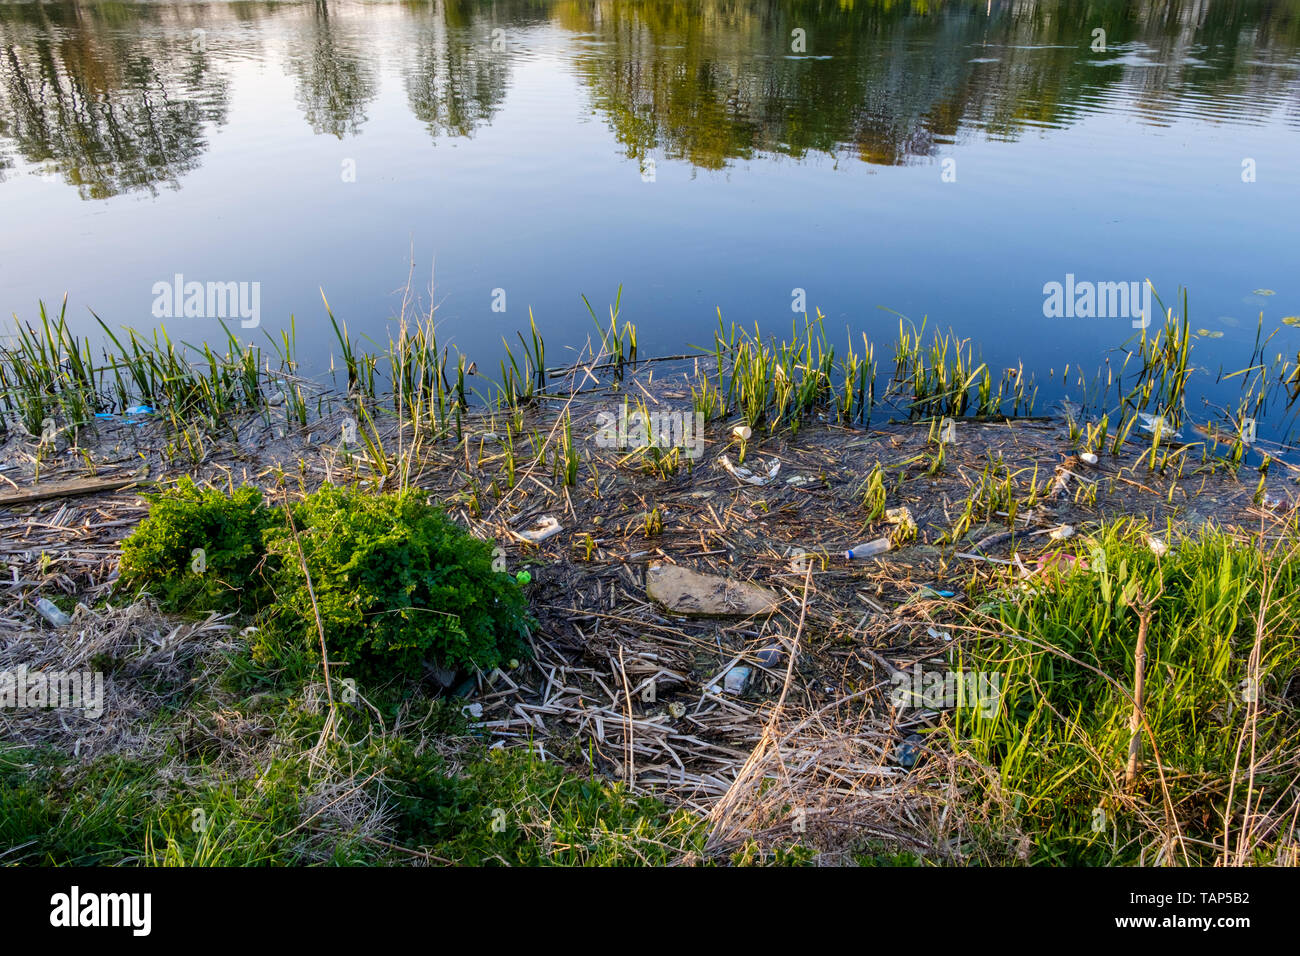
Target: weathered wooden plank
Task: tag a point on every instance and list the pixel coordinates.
(65, 489)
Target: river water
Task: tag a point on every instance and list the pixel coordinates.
(946, 160)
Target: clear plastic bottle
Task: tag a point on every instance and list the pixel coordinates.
(871, 548)
(50, 611)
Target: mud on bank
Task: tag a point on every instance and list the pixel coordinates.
(807, 747)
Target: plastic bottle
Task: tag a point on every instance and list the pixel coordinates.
(871, 548)
(50, 611)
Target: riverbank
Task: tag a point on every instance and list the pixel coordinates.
(1024, 556)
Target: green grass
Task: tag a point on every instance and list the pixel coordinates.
(943, 379)
(49, 374)
(873, 493)
(618, 345)
(782, 384)
(44, 821)
(510, 808)
(487, 808)
(1217, 779)
(53, 383)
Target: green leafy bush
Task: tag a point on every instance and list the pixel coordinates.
(396, 583)
(227, 531)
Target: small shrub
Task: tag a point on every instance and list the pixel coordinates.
(160, 557)
(397, 583)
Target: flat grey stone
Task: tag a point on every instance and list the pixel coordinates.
(689, 592)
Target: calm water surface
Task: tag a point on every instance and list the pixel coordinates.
(938, 159)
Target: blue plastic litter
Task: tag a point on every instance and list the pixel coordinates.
(909, 751)
(942, 594)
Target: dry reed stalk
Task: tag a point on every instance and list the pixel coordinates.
(725, 809)
(1139, 675)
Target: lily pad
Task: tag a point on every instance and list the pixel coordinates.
(1207, 334)
(1291, 320)
(1263, 292)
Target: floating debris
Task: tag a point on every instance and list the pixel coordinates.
(1060, 482)
(135, 410)
(902, 517)
(442, 676)
(1149, 423)
(1060, 561)
(992, 540)
(744, 474)
(545, 527)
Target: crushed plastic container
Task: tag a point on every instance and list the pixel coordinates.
(545, 527)
(50, 611)
(737, 680)
(907, 752)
